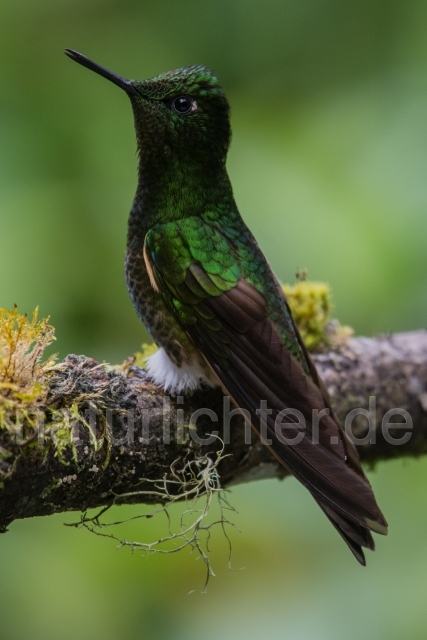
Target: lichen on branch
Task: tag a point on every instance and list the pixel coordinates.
(311, 307)
(23, 342)
(23, 384)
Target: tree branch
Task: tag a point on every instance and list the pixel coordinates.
(100, 433)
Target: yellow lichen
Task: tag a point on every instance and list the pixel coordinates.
(22, 369)
(142, 356)
(311, 305)
(138, 359)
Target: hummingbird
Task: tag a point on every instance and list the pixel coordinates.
(207, 295)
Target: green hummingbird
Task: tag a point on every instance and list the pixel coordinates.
(207, 295)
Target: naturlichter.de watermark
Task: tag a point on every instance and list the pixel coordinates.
(289, 426)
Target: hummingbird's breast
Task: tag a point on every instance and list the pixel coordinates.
(150, 305)
(177, 366)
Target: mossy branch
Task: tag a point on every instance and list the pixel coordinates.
(79, 434)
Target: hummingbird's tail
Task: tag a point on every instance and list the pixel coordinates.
(354, 535)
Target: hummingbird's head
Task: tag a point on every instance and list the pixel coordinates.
(180, 115)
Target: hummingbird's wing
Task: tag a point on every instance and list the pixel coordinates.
(256, 356)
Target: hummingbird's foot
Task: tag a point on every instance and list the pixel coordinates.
(141, 374)
(138, 372)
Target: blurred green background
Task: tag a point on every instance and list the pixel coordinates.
(328, 163)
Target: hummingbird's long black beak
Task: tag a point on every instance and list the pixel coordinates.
(124, 84)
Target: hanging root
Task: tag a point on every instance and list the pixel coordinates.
(195, 483)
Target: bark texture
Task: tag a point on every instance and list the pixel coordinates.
(103, 433)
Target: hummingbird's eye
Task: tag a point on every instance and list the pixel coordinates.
(183, 105)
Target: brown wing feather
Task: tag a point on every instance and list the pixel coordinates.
(252, 363)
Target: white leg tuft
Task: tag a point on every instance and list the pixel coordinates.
(174, 379)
